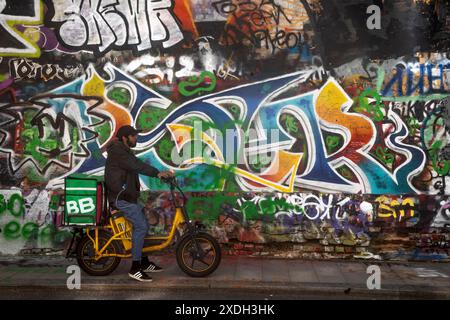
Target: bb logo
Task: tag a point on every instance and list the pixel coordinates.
(83, 206)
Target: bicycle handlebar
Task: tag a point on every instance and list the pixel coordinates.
(169, 180)
(172, 181)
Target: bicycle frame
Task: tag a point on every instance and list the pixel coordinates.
(181, 216)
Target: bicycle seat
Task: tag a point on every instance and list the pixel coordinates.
(112, 210)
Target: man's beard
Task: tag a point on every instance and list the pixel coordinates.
(130, 143)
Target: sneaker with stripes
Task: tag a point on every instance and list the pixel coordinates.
(151, 267)
(140, 276)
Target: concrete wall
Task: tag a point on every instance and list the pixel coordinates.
(297, 127)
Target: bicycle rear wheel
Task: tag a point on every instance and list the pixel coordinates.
(86, 256)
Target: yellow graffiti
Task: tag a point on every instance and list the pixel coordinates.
(332, 105)
(285, 163)
(390, 207)
(251, 176)
(184, 133)
(95, 87)
(27, 39)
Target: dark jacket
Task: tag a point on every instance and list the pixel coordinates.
(122, 171)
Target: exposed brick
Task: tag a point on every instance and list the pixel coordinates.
(349, 250)
(340, 249)
(328, 248)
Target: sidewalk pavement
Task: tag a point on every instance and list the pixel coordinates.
(303, 277)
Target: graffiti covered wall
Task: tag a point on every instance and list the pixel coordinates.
(300, 128)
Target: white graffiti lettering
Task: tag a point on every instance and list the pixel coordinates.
(311, 206)
(102, 24)
(154, 70)
(24, 69)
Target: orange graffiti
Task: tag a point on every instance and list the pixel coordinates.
(331, 107)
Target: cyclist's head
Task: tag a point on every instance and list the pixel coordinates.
(128, 135)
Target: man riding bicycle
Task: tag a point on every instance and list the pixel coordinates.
(122, 171)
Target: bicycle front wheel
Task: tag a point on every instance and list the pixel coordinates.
(198, 255)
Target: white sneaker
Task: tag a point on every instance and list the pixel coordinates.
(152, 267)
(140, 276)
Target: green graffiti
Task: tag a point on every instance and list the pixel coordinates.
(332, 141)
(413, 125)
(120, 95)
(345, 172)
(441, 167)
(209, 207)
(249, 210)
(235, 110)
(194, 82)
(203, 207)
(15, 205)
(2, 204)
(165, 149)
(215, 174)
(149, 117)
(291, 124)
(44, 150)
(208, 178)
(12, 230)
(104, 132)
(48, 234)
(384, 156)
(268, 207)
(374, 111)
(54, 201)
(29, 229)
(35, 176)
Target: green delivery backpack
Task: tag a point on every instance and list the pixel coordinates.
(84, 200)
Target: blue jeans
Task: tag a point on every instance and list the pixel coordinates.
(134, 214)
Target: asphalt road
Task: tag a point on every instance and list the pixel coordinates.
(43, 293)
